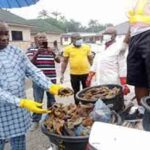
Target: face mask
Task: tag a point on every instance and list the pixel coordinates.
(78, 43)
(106, 38)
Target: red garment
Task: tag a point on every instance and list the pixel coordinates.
(89, 78)
(107, 44)
(126, 89)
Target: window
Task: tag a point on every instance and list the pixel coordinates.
(65, 39)
(97, 38)
(17, 36)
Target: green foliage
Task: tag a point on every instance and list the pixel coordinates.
(60, 21)
(43, 14)
(95, 26)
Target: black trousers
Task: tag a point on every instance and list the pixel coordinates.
(76, 82)
(138, 60)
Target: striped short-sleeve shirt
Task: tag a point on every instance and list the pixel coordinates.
(45, 61)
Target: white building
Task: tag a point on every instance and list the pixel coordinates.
(87, 37)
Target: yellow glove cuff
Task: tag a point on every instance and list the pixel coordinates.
(21, 103)
(54, 88)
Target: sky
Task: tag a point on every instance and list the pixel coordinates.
(105, 11)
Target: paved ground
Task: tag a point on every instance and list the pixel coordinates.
(36, 140)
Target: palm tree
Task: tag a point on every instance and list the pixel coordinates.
(56, 14)
(93, 24)
(43, 14)
(62, 18)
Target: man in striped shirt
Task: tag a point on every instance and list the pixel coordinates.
(43, 58)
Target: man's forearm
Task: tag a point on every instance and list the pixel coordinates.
(63, 67)
(90, 59)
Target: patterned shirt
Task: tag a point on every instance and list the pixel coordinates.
(45, 61)
(14, 68)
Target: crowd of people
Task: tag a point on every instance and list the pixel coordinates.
(109, 66)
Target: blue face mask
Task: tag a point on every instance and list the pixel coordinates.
(78, 42)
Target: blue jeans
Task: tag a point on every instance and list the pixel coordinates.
(38, 94)
(17, 143)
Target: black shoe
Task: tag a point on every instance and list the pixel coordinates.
(136, 116)
(126, 111)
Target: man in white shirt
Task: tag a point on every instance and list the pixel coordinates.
(109, 64)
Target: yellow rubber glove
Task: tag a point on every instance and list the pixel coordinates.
(55, 88)
(32, 106)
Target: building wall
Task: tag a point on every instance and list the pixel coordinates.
(87, 38)
(66, 40)
(26, 36)
(25, 30)
(23, 45)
